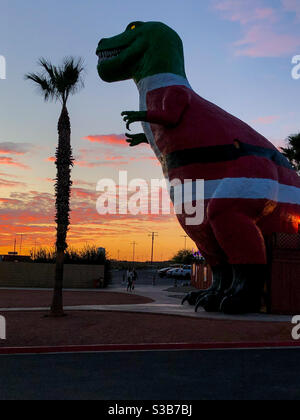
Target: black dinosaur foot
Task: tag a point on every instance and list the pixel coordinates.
(210, 302)
(236, 305)
(193, 297)
(245, 294)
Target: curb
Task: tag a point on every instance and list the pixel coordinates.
(145, 347)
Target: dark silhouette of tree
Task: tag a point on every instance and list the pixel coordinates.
(59, 83)
(184, 256)
(292, 151)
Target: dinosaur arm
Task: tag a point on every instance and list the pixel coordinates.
(131, 117)
(172, 107)
(136, 139)
(167, 110)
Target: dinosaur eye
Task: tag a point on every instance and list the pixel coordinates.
(133, 27)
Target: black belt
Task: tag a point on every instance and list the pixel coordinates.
(224, 153)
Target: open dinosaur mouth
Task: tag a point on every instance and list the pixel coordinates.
(109, 54)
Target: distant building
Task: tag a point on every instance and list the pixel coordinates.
(14, 258)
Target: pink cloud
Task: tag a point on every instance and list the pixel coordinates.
(292, 6)
(245, 12)
(266, 120)
(78, 182)
(4, 183)
(8, 175)
(106, 151)
(86, 164)
(260, 41)
(109, 139)
(262, 27)
(10, 162)
(114, 161)
(9, 148)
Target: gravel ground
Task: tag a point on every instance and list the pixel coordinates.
(42, 298)
(78, 328)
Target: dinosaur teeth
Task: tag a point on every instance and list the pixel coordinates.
(108, 54)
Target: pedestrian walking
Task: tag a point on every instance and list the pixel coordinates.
(129, 281)
(134, 278)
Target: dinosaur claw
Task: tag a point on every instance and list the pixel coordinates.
(184, 300)
(198, 305)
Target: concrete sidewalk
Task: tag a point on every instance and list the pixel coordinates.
(165, 303)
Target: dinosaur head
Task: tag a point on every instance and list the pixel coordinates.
(144, 49)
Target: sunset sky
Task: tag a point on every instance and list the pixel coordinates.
(238, 55)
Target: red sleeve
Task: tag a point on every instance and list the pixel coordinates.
(169, 107)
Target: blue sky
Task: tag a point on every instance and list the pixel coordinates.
(250, 87)
(238, 55)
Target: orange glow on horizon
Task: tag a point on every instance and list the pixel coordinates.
(116, 241)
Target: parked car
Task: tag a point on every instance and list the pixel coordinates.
(184, 272)
(163, 272)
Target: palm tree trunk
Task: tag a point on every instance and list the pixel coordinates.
(64, 163)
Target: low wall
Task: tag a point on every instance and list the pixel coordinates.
(42, 275)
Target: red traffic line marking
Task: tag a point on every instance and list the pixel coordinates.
(145, 347)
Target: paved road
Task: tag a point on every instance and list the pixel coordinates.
(184, 375)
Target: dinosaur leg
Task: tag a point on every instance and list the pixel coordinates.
(245, 294)
(240, 238)
(212, 298)
(213, 254)
(245, 248)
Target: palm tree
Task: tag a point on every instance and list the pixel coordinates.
(292, 152)
(59, 83)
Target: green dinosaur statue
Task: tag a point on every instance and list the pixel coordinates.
(134, 55)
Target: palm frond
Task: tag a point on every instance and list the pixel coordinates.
(59, 82)
(71, 80)
(43, 83)
(292, 151)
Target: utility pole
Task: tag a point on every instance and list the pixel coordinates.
(185, 238)
(153, 236)
(15, 246)
(21, 243)
(134, 244)
(118, 255)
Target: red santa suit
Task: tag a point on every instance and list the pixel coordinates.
(250, 188)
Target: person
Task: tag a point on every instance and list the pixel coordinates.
(129, 281)
(134, 278)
